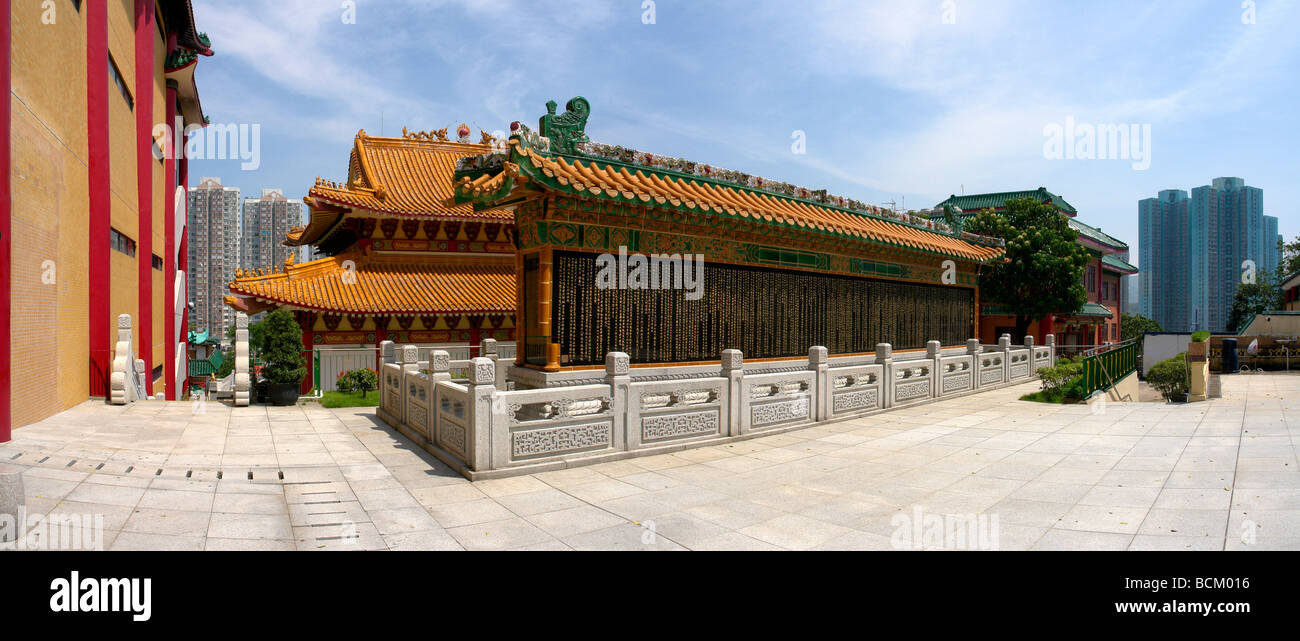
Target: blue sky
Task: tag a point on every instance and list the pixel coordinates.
(895, 103)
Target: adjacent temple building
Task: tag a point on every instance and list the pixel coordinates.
(1098, 321)
(785, 268)
(405, 262)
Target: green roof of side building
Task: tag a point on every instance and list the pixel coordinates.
(976, 202)
(1095, 234)
(1111, 261)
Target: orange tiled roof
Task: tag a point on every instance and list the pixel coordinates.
(384, 284)
(630, 183)
(408, 176)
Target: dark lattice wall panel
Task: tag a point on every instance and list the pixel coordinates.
(762, 312)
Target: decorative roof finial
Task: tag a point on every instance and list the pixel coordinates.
(567, 130)
(462, 133)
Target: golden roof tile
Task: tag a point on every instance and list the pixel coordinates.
(385, 284)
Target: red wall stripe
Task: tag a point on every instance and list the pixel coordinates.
(144, 88)
(169, 240)
(98, 200)
(6, 211)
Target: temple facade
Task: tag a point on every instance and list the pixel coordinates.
(1098, 322)
(404, 261)
(780, 268)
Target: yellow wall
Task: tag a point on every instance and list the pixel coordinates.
(50, 203)
(50, 176)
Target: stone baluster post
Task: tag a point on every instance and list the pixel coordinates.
(482, 397)
(619, 377)
(243, 377)
(973, 349)
(818, 361)
(885, 357)
(933, 351)
(733, 362)
(439, 366)
(1029, 346)
(122, 380)
(1050, 339)
(488, 348)
(410, 366)
(1004, 346)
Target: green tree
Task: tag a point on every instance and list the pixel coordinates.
(1253, 298)
(1043, 271)
(1290, 258)
(281, 348)
(1134, 325)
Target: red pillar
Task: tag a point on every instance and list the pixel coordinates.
(6, 228)
(169, 242)
(381, 335)
(98, 195)
(144, 85)
(308, 344)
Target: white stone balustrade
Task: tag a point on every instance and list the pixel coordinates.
(484, 431)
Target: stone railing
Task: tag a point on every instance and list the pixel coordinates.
(483, 430)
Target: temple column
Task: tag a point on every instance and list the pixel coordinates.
(170, 348)
(144, 160)
(308, 344)
(545, 275)
(98, 268)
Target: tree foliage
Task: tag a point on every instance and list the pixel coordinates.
(1134, 325)
(1253, 298)
(1044, 267)
(281, 349)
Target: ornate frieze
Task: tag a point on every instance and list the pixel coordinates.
(863, 399)
(654, 428)
(910, 390)
(779, 412)
(556, 440)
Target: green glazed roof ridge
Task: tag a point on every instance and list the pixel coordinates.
(923, 223)
(1000, 197)
(525, 168)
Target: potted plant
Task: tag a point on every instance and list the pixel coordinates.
(283, 366)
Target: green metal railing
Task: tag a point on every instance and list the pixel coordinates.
(1101, 370)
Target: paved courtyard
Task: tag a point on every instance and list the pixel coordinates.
(1205, 476)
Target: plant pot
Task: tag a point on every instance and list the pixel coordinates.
(1178, 398)
(259, 392)
(283, 393)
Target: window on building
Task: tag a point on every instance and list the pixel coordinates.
(121, 242)
(157, 262)
(1091, 277)
(77, 4)
(121, 83)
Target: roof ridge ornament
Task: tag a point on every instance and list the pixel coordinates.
(568, 129)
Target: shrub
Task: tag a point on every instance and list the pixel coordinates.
(358, 380)
(1169, 376)
(1060, 376)
(281, 349)
(1200, 337)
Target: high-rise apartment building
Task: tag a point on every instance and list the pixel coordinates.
(266, 222)
(213, 253)
(1195, 250)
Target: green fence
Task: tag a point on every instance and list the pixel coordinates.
(1101, 370)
